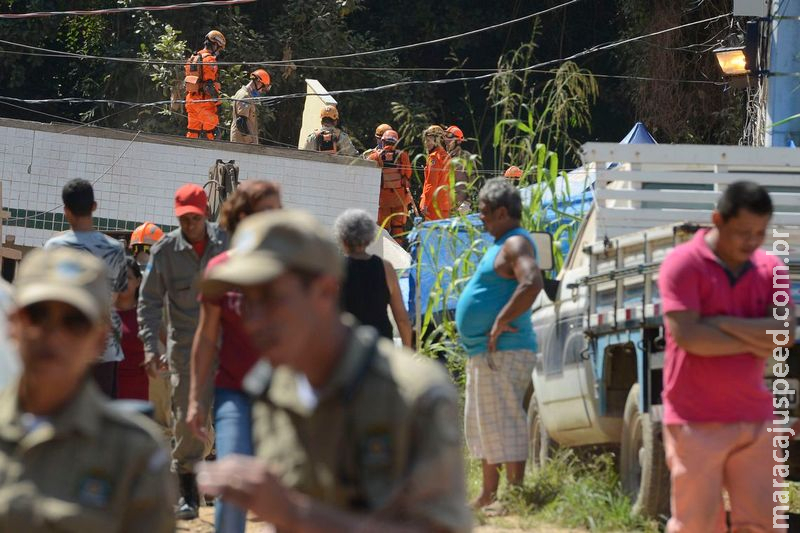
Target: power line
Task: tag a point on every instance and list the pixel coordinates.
(415, 69)
(531, 68)
(111, 11)
(307, 59)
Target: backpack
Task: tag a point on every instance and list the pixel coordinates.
(327, 141)
(391, 177)
(193, 81)
(223, 179)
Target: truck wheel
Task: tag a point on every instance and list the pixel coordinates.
(541, 447)
(643, 467)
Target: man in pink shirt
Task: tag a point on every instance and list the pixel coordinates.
(717, 295)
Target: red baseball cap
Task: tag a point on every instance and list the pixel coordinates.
(190, 198)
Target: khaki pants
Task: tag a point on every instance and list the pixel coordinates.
(187, 449)
(160, 394)
(704, 458)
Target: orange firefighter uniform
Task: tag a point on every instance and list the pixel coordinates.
(435, 202)
(203, 117)
(394, 196)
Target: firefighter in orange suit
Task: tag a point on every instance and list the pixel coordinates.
(435, 202)
(201, 84)
(379, 131)
(395, 175)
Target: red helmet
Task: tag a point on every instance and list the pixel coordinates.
(455, 131)
(261, 75)
(390, 137)
(513, 172)
(148, 233)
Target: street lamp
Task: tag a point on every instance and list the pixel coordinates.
(732, 60)
(739, 58)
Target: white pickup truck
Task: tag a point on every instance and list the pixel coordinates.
(598, 374)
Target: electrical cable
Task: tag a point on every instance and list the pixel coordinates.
(115, 10)
(306, 59)
(588, 51)
(422, 69)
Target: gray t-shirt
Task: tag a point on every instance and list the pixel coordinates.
(9, 359)
(112, 253)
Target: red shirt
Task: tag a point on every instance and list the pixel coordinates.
(200, 247)
(726, 388)
(237, 355)
(132, 382)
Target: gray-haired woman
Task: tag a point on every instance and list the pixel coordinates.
(370, 282)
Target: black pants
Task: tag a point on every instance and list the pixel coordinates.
(105, 375)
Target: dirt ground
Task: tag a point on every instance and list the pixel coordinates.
(507, 524)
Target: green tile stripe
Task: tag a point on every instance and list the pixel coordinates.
(54, 221)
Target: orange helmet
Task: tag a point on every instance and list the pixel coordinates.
(380, 130)
(148, 234)
(455, 131)
(329, 111)
(513, 172)
(261, 75)
(390, 137)
(216, 37)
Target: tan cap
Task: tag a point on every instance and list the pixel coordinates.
(65, 275)
(268, 244)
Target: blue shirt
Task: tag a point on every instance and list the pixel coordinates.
(112, 253)
(482, 300)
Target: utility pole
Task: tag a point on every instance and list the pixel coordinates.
(783, 81)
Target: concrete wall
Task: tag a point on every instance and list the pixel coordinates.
(135, 176)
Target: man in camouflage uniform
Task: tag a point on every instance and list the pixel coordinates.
(352, 433)
(70, 460)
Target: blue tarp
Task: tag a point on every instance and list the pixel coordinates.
(441, 243)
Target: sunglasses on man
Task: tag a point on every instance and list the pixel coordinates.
(50, 317)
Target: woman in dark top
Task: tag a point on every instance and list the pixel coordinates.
(370, 283)
(132, 381)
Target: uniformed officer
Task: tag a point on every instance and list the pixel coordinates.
(352, 433)
(69, 459)
(176, 262)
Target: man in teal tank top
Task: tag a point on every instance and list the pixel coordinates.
(493, 317)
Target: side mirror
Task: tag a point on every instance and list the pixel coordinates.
(544, 249)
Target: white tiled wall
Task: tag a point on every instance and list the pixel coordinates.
(136, 179)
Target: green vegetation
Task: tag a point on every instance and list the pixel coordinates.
(452, 252)
(571, 492)
(276, 31)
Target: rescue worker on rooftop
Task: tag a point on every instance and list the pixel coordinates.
(463, 164)
(329, 138)
(202, 88)
(244, 126)
(435, 201)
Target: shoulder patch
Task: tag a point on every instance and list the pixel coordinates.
(94, 491)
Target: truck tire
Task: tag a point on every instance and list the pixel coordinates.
(541, 448)
(643, 467)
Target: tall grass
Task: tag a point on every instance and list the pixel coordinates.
(574, 493)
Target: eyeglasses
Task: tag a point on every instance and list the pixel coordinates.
(71, 320)
(139, 248)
